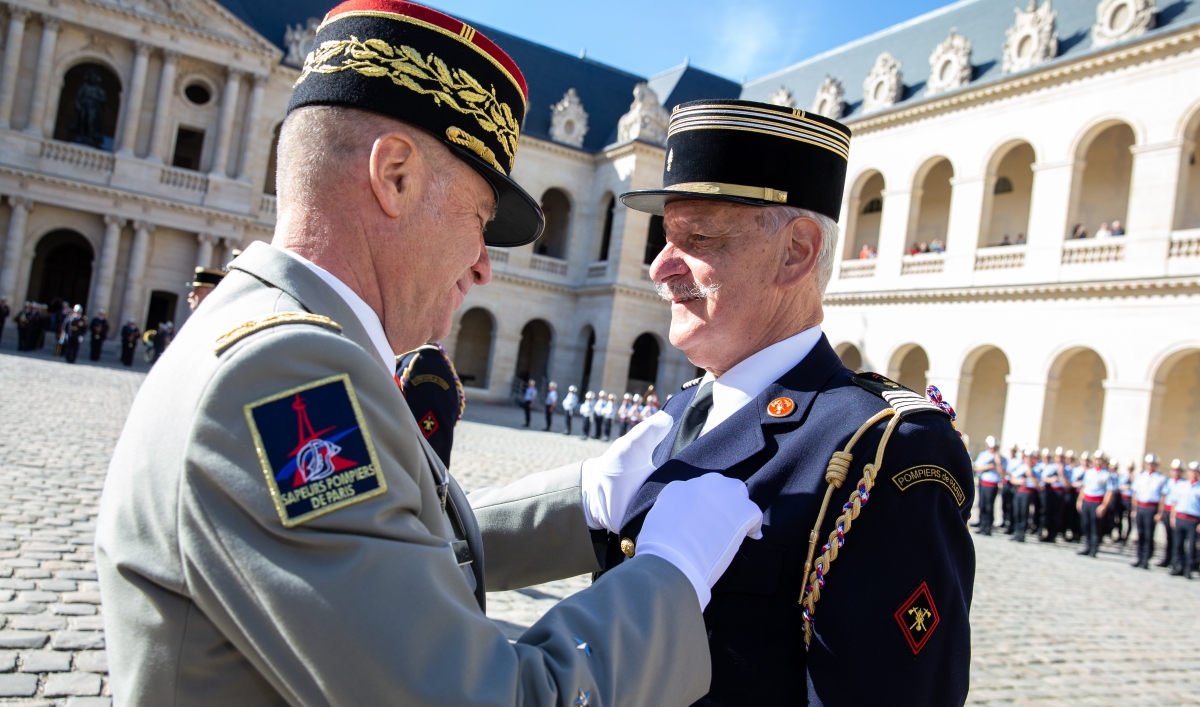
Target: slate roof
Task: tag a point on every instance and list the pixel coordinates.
(606, 92)
(984, 22)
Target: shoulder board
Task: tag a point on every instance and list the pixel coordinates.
(245, 329)
(904, 401)
(691, 383)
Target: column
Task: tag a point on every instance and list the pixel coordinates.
(893, 231)
(41, 81)
(162, 107)
(13, 245)
(233, 82)
(962, 237)
(228, 245)
(17, 17)
(1154, 191)
(133, 102)
(1123, 425)
(250, 127)
(102, 296)
(204, 253)
(1023, 409)
(1050, 206)
(130, 309)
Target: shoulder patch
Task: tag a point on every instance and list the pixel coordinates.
(904, 401)
(245, 329)
(319, 462)
(691, 383)
(928, 472)
(918, 618)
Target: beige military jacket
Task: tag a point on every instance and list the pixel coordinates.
(271, 532)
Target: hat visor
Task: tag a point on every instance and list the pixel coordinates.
(519, 220)
(652, 201)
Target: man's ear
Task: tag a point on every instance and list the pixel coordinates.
(392, 165)
(802, 249)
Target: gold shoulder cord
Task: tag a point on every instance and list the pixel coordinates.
(241, 331)
(835, 474)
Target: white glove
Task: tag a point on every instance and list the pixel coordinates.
(698, 526)
(611, 480)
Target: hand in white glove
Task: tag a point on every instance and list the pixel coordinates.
(698, 526)
(611, 480)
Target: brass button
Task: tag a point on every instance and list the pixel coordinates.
(628, 547)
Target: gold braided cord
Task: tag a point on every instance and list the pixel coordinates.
(839, 467)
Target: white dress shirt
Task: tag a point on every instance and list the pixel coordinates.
(366, 315)
(742, 383)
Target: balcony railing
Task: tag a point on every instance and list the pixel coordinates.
(1185, 244)
(267, 207)
(76, 156)
(498, 255)
(923, 264)
(596, 270)
(184, 179)
(1000, 257)
(857, 268)
(545, 263)
(1089, 251)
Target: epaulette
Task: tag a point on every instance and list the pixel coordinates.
(245, 329)
(904, 401)
(691, 383)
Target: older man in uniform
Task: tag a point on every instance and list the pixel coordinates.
(841, 602)
(274, 528)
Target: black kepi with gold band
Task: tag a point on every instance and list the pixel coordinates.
(752, 153)
(206, 277)
(436, 73)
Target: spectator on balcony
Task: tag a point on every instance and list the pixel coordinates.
(937, 246)
(1104, 231)
(1005, 240)
(874, 252)
(914, 248)
(1079, 231)
(865, 253)
(1118, 229)
(1020, 239)
(924, 247)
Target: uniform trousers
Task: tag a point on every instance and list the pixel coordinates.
(1185, 545)
(528, 411)
(1124, 518)
(1090, 525)
(597, 426)
(1051, 512)
(1169, 555)
(1071, 515)
(607, 428)
(1021, 502)
(1006, 504)
(569, 414)
(97, 345)
(549, 416)
(127, 354)
(1145, 531)
(71, 349)
(987, 508)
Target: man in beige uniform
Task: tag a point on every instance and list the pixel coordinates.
(274, 528)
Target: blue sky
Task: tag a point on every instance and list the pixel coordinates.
(742, 38)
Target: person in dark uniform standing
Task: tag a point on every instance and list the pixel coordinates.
(24, 322)
(1053, 486)
(130, 336)
(203, 283)
(1148, 494)
(551, 402)
(1185, 518)
(1174, 479)
(1096, 491)
(73, 328)
(435, 395)
(531, 393)
(1025, 488)
(841, 602)
(4, 312)
(99, 333)
(991, 467)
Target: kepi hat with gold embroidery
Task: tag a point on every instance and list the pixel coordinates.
(751, 153)
(206, 277)
(436, 73)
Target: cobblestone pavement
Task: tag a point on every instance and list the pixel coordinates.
(1050, 628)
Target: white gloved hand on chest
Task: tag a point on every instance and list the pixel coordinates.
(611, 480)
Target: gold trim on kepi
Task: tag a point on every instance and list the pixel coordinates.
(433, 72)
(730, 150)
(207, 277)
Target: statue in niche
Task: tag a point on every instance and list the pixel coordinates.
(88, 124)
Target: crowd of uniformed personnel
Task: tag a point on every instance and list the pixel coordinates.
(1089, 497)
(603, 417)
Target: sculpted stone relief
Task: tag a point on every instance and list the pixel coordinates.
(1032, 39)
(299, 40)
(646, 120)
(830, 100)
(782, 97)
(1118, 20)
(949, 65)
(884, 85)
(568, 120)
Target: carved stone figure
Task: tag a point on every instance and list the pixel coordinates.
(299, 40)
(568, 120)
(830, 100)
(1032, 39)
(949, 65)
(88, 123)
(1118, 20)
(884, 85)
(646, 120)
(782, 97)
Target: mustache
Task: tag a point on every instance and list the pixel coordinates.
(679, 290)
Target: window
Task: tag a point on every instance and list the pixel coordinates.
(656, 239)
(873, 206)
(606, 239)
(1004, 185)
(198, 93)
(188, 146)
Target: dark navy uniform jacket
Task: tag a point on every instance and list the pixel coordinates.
(434, 394)
(891, 625)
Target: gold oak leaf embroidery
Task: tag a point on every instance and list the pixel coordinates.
(405, 67)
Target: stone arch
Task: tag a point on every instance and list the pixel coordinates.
(910, 367)
(587, 355)
(982, 395)
(1187, 210)
(1008, 194)
(1173, 427)
(644, 363)
(272, 162)
(474, 347)
(850, 355)
(608, 210)
(89, 104)
(556, 205)
(929, 216)
(62, 268)
(1103, 174)
(864, 215)
(1074, 404)
(533, 354)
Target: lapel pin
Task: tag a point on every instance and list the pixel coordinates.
(781, 407)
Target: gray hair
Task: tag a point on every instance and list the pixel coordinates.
(773, 218)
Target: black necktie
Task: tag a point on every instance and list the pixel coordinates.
(694, 418)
